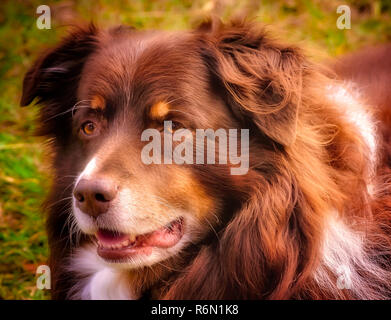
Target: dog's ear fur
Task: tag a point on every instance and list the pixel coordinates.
(54, 78)
(260, 80)
(59, 68)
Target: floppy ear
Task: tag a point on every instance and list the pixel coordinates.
(260, 80)
(54, 76)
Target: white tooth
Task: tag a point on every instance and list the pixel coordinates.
(132, 238)
(125, 243)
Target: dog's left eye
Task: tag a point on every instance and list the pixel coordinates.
(174, 126)
(88, 128)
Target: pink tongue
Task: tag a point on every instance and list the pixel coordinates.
(162, 238)
(110, 237)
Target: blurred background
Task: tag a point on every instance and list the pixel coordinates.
(24, 175)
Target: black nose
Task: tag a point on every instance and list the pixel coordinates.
(94, 196)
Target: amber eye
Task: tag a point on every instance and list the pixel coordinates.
(88, 128)
(175, 125)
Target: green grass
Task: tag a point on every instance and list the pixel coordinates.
(24, 178)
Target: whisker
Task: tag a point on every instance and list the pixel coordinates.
(58, 201)
(75, 106)
(179, 111)
(213, 229)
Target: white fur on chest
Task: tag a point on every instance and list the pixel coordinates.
(347, 98)
(98, 280)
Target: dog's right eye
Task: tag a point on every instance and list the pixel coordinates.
(88, 128)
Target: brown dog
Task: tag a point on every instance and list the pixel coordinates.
(309, 220)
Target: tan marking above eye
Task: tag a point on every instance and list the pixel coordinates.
(159, 110)
(97, 102)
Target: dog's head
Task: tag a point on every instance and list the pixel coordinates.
(100, 91)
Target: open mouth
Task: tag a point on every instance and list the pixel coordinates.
(114, 245)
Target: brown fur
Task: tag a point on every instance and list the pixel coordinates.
(306, 159)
